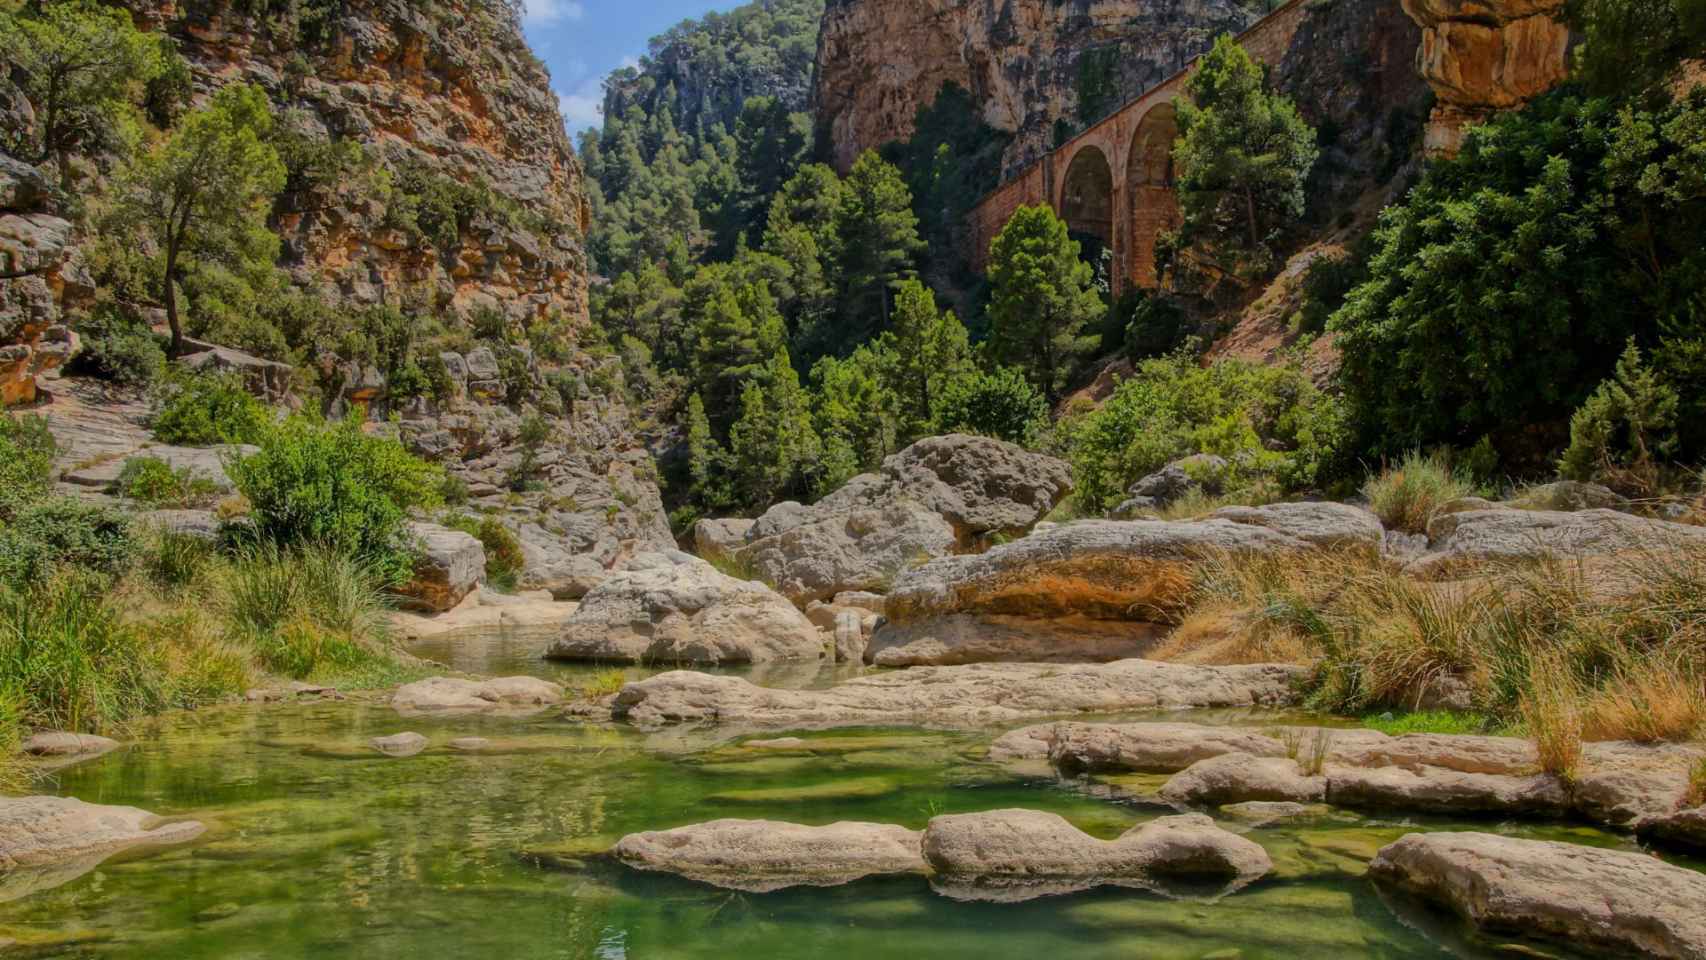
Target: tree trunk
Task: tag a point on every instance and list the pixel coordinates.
(1250, 211)
(176, 349)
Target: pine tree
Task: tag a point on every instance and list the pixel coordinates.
(878, 245)
(1243, 155)
(706, 459)
(773, 445)
(930, 350)
(1043, 299)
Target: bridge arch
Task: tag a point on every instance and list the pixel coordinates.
(1151, 206)
(1087, 194)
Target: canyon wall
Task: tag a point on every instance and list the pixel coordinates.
(436, 91)
(1483, 56)
(1043, 69)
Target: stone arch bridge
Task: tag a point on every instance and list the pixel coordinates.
(1114, 181)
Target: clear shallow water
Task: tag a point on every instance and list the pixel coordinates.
(318, 848)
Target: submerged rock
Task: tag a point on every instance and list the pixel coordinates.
(676, 608)
(62, 744)
(959, 696)
(764, 855)
(448, 694)
(1592, 898)
(1011, 855)
(400, 744)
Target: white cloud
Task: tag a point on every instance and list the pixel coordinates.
(535, 12)
(582, 109)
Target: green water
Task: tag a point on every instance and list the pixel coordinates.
(317, 848)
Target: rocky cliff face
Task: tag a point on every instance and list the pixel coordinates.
(1483, 56)
(1035, 65)
(38, 272)
(437, 92)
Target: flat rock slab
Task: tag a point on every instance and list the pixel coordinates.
(1629, 904)
(1472, 540)
(1643, 787)
(42, 831)
(969, 695)
(764, 855)
(451, 695)
(960, 638)
(1011, 855)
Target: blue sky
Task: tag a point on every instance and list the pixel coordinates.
(583, 40)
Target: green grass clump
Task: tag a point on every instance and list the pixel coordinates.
(1405, 497)
(203, 410)
(312, 612)
(1428, 721)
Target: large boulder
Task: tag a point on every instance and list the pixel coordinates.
(1020, 854)
(454, 695)
(1036, 598)
(1240, 778)
(972, 695)
(450, 566)
(1617, 902)
(39, 831)
(764, 855)
(940, 495)
(714, 539)
(58, 743)
(1198, 473)
(675, 608)
(1466, 542)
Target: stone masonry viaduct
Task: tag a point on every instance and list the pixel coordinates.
(1114, 181)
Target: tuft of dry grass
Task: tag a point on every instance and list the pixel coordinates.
(1405, 497)
(1552, 713)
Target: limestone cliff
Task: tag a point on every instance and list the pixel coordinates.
(1042, 68)
(1482, 56)
(434, 90)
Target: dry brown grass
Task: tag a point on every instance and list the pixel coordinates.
(1612, 650)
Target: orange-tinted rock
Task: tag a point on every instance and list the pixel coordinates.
(1483, 57)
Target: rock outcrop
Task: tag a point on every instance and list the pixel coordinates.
(1484, 57)
(1472, 540)
(1091, 589)
(939, 496)
(439, 94)
(676, 608)
(451, 695)
(40, 276)
(972, 695)
(1028, 65)
(1611, 901)
(763, 855)
(1010, 855)
(449, 566)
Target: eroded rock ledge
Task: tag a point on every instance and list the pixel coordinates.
(763, 855)
(1625, 785)
(971, 695)
(1629, 904)
(49, 841)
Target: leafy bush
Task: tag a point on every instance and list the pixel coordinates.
(1151, 325)
(504, 559)
(1574, 224)
(1270, 422)
(999, 404)
(152, 481)
(118, 347)
(209, 409)
(64, 532)
(26, 462)
(329, 484)
(1405, 497)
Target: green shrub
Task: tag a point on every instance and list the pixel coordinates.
(504, 559)
(209, 409)
(152, 481)
(524, 476)
(1152, 325)
(1624, 428)
(175, 561)
(1271, 423)
(315, 483)
(64, 532)
(118, 347)
(1405, 497)
(26, 462)
(999, 404)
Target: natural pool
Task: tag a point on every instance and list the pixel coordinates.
(319, 848)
